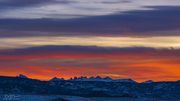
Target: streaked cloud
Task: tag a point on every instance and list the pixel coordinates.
(153, 42)
(164, 20)
(64, 9)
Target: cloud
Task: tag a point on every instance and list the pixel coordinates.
(8, 4)
(66, 48)
(42, 38)
(65, 9)
(161, 21)
(117, 42)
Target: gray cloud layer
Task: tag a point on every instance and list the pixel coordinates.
(164, 20)
(65, 9)
(78, 49)
(6, 4)
(89, 17)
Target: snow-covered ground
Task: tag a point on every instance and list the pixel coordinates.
(69, 98)
(127, 99)
(12, 97)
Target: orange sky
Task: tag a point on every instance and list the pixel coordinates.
(138, 39)
(159, 65)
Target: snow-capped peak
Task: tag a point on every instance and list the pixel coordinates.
(22, 76)
(97, 78)
(125, 80)
(56, 79)
(148, 81)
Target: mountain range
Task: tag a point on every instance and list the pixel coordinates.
(91, 87)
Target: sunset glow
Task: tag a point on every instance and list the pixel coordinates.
(119, 42)
(134, 39)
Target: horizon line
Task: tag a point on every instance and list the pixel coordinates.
(136, 81)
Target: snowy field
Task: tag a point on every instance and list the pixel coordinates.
(12, 97)
(127, 99)
(68, 98)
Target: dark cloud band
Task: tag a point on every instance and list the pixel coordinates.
(79, 49)
(136, 23)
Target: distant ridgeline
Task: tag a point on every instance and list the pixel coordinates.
(91, 87)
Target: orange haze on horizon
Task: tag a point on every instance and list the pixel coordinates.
(140, 66)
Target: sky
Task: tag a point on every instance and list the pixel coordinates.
(135, 39)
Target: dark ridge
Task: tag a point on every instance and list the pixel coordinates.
(17, 85)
